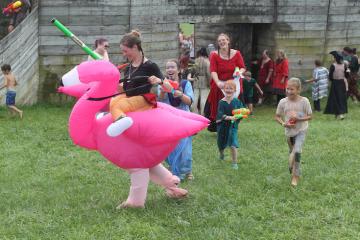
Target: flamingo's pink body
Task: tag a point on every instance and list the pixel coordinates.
(153, 135)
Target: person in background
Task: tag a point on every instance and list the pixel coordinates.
(320, 84)
(19, 15)
(281, 75)
(101, 47)
(249, 85)
(337, 101)
(353, 65)
(265, 75)
(10, 85)
(202, 80)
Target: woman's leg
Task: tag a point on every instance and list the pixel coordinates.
(139, 183)
(163, 177)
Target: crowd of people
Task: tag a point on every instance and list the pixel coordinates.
(216, 82)
(269, 77)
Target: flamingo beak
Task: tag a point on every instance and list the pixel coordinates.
(71, 78)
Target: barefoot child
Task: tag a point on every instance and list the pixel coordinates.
(296, 112)
(10, 84)
(227, 124)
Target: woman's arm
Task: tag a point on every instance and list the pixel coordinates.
(331, 72)
(267, 80)
(284, 70)
(346, 84)
(216, 79)
(259, 89)
(186, 96)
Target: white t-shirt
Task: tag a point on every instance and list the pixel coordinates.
(299, 108)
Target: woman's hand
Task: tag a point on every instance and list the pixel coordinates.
(166, 86)
(220, 84)
(178, 93)
(154, 80)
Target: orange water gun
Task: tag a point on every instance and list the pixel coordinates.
(11, 8)
(122, 66)
(240, 113)
(174, 84)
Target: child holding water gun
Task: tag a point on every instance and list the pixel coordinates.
(227, 124)
(179, 160)
(293, 113)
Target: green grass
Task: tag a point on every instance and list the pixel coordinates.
(51, 189)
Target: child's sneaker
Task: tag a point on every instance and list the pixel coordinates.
(119, 126)
(234, 166)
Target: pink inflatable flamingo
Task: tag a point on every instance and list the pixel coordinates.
(140, 149)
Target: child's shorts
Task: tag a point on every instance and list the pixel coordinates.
(10, 98)
(248, 100)
(298, 141)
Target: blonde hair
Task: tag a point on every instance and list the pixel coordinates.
(281, 53)
(247, 73)
(230, 83)
(295, 81)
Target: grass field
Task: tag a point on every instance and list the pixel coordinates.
(51, 189)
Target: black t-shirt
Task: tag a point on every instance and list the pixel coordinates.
(136, 79)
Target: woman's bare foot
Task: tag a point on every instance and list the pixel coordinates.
(175, 192)
(128, 205)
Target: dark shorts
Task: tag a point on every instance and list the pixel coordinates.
(10, 98)
(248, 100)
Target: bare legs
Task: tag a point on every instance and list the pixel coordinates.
(14, 109)
(139, 184)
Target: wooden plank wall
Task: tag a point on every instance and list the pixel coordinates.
(305, 29)
(20, 50)
(158, 22)
(93, 19)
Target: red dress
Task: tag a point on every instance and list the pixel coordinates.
(263, 73)
(224, 69)
(281, 70)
